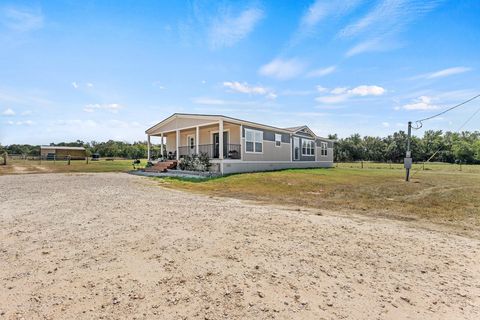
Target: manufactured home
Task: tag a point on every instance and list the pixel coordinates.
(235, 145)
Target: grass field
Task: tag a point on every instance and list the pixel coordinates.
(443, 194)
(35, 166)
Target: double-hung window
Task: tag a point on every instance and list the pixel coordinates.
(323, 150)
(253, 141)
(308, 147)
(278, 140)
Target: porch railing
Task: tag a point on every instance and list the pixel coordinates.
(230, 151)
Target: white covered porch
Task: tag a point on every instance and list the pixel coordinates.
(190, 135)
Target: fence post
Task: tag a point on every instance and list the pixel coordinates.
(362, 164)
(68, 160)
(5, 155)
(86, 158)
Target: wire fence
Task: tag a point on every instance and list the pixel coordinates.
(430, 166)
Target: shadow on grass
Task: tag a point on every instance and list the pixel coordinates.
(226, 176)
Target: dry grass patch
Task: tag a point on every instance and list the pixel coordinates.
(449, 198)
(36, 166)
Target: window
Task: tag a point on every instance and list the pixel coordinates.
(278, 140)
(308, 147)
(253, 141)
(191, 142)
(323, 150)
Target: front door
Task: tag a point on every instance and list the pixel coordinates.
(191, 145)
(216, 144)
(296, 148)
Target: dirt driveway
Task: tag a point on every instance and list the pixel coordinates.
(116, 246)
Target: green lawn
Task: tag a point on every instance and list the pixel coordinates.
(444, 195)
(36, 166)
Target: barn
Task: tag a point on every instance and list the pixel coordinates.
(62, 153)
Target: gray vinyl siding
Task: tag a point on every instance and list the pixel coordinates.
(268, 135)
(270, 151)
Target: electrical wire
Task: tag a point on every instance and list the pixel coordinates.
(460, 128)
(445, 111)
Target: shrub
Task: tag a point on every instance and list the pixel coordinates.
(195, 162)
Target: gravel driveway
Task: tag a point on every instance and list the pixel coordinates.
(117, 246)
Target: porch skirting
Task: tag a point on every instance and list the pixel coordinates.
(227, 167)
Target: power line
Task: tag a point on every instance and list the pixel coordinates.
(460, 128)
(445, 111)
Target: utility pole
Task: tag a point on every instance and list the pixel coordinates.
(407, 162)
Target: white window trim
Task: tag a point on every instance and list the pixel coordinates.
(278, 135)
(254, 141)
(309, 141)
(323, 149)
(188, 141)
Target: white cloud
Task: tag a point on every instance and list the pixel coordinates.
(112, 107)
(21, 20)
(21, 123)
(248, 89)
(339, 90)
(321, 10)
(226, 30)
(321, 72)
(341, 94)
(421, 103)
(385, 124)
(366, 46)
(8, 112)
(444, 73)
(321, 89)
(381, 24)
(89, 85)
(367, 91)
(75, 85)
(282, 69)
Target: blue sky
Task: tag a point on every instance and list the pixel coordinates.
(98, 70)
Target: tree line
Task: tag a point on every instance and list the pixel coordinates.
(109, 149)
(436, 145)
(452, 147)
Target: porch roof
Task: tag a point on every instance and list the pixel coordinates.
(209, 119)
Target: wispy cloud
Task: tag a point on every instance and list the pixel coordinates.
(112, 107)
(384, 22)
(21, 19)
(8, 112)
(341, 94)
(227, 29)
(282, 69)
(321, 72)
(321, 10)
(443, 73)
(21, 123)
(248, 89)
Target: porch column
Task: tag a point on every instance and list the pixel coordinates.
(177, 137)
(220, 139)
(241, 142)
(148, 147)
(197, 139)
(161, 145)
